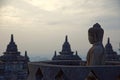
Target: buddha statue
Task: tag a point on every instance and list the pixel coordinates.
(95, 55)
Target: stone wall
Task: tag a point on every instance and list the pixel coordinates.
(45, 71)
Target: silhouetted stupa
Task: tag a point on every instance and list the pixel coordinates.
(66, 53)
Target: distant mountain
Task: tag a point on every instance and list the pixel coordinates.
(38, 58)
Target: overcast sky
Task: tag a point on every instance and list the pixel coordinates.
(40, 26)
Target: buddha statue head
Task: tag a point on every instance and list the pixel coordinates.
(95, 34)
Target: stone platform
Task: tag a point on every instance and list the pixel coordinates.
(53, 70)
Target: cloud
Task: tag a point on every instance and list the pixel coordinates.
(50, 5)
(60, 11)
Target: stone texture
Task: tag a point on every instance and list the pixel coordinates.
(73, 72)
(14, 65)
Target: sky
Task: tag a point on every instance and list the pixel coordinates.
(40, 26)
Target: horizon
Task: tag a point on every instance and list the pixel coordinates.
(41, 58)
(40, 26)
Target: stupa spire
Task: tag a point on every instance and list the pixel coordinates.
(55, 53)
(76, 53)
(108, 47)
(66, 48)
(12, 47)
(26, 56)
(66, 45)
(25, 53)
(12, 38)
(66, 38)
(108, 40)
(119, 48)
